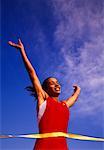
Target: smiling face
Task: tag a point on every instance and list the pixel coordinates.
(53, 87)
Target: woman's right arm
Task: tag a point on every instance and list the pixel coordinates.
(41, 94)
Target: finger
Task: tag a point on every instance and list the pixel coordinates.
(10, 42)
(74, 85)
(19, 40)
(13, 44)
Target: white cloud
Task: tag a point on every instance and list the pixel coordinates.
(82, 21)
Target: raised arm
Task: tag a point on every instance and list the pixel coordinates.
(71, 100)
(41, 94)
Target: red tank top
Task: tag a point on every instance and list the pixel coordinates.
(54, 119)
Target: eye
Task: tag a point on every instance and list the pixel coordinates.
(58, 83)
(51, 83)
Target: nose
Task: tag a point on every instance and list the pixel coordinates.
(57, 85)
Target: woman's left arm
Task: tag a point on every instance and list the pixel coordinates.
(71, 100)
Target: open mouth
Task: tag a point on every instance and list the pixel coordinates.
(57, 89)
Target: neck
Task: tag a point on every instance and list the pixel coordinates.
(55, 98)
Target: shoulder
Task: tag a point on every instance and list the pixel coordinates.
(64, 102)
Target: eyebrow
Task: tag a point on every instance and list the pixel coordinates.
(53, 81)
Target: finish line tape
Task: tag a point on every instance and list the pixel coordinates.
(55, 134)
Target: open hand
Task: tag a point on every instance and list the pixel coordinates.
(18, 46)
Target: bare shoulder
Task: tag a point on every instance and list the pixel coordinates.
(65, 102)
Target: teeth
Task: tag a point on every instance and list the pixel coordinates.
(57, 88)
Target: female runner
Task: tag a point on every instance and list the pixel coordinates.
(53, 115)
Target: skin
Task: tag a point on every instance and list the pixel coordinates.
(54, 88)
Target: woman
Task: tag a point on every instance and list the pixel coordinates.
(53, 115)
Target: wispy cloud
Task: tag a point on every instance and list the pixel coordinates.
(82, 22)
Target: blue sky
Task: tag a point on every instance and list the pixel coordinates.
(64, 39)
